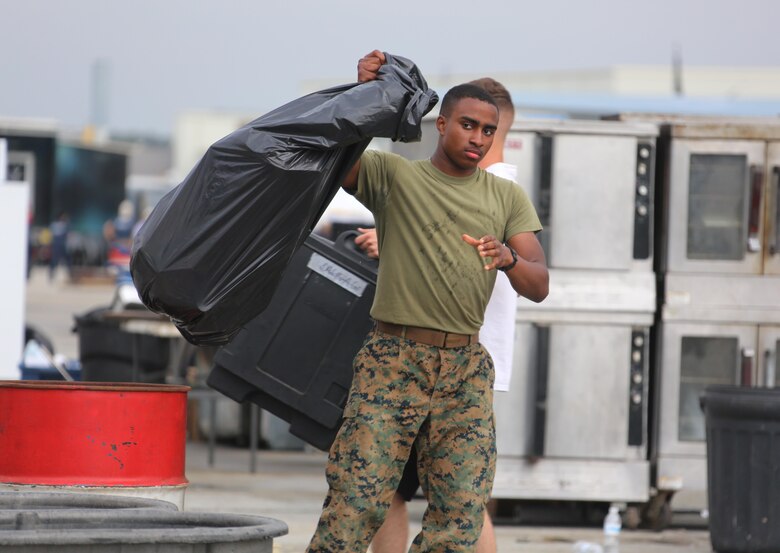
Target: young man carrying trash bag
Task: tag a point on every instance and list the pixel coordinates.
(444, 226)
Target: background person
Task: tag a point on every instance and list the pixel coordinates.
(60, 229)
(118, 235)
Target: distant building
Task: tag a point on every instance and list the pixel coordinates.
(633, 88)
(643, 80)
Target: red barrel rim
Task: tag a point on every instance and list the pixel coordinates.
(97, 386)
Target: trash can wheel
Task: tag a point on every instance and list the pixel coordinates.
(632, 517)
(657, 514)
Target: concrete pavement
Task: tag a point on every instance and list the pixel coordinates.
(290, 485)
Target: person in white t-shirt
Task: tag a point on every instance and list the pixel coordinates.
(497, 335)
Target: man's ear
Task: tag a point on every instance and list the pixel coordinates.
(441, 124)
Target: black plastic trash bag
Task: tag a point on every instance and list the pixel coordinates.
(211, 253)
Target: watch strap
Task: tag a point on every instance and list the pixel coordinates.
(511, 266)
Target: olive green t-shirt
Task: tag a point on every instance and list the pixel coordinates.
(428, 276)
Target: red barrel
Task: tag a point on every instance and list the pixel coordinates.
(92, 433)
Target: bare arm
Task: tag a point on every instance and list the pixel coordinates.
(349, 184)
(529, 277)
(368, 69)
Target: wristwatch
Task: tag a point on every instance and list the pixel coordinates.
(511, 266)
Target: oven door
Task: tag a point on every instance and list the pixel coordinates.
(694, 356)
(590, 397)
(714, 202)
(772, 249)
(596, 190)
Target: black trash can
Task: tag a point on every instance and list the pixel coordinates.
(743, 468)
(109, 354)
(295, 358)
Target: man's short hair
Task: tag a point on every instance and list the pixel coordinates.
(462, 91)
(499, 93)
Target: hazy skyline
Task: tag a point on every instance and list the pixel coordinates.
(251, 56)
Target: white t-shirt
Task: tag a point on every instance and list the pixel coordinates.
(498, 330)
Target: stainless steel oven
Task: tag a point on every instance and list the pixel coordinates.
(696, 355)
(714, 329)
(721, 198)
(574, 424)
(718, 266)
(592, 185)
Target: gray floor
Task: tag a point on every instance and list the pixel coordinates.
(290, 486)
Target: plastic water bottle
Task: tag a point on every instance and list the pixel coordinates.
(612, 527)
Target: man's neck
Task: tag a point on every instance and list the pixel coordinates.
(443, 164)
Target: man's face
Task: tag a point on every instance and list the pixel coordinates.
(467, 133)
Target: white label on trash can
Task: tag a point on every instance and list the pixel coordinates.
(337, 274)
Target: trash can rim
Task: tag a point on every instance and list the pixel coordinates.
(52, 501)
(214, 527)
(93, 386)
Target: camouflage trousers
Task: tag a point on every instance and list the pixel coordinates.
(402, 392)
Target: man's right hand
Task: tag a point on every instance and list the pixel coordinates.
(368, 66)
(368, 69)
(367, 242)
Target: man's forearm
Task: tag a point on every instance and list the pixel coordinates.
(529, 279)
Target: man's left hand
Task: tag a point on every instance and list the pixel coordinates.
(490, 246)
(367, 242)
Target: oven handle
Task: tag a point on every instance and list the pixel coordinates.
(748, 357)
(540, 393)
(775, 203)
(754, 213)
(769, 369)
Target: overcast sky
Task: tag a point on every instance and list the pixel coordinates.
(253, 55)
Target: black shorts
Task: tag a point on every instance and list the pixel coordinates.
(409, 483)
